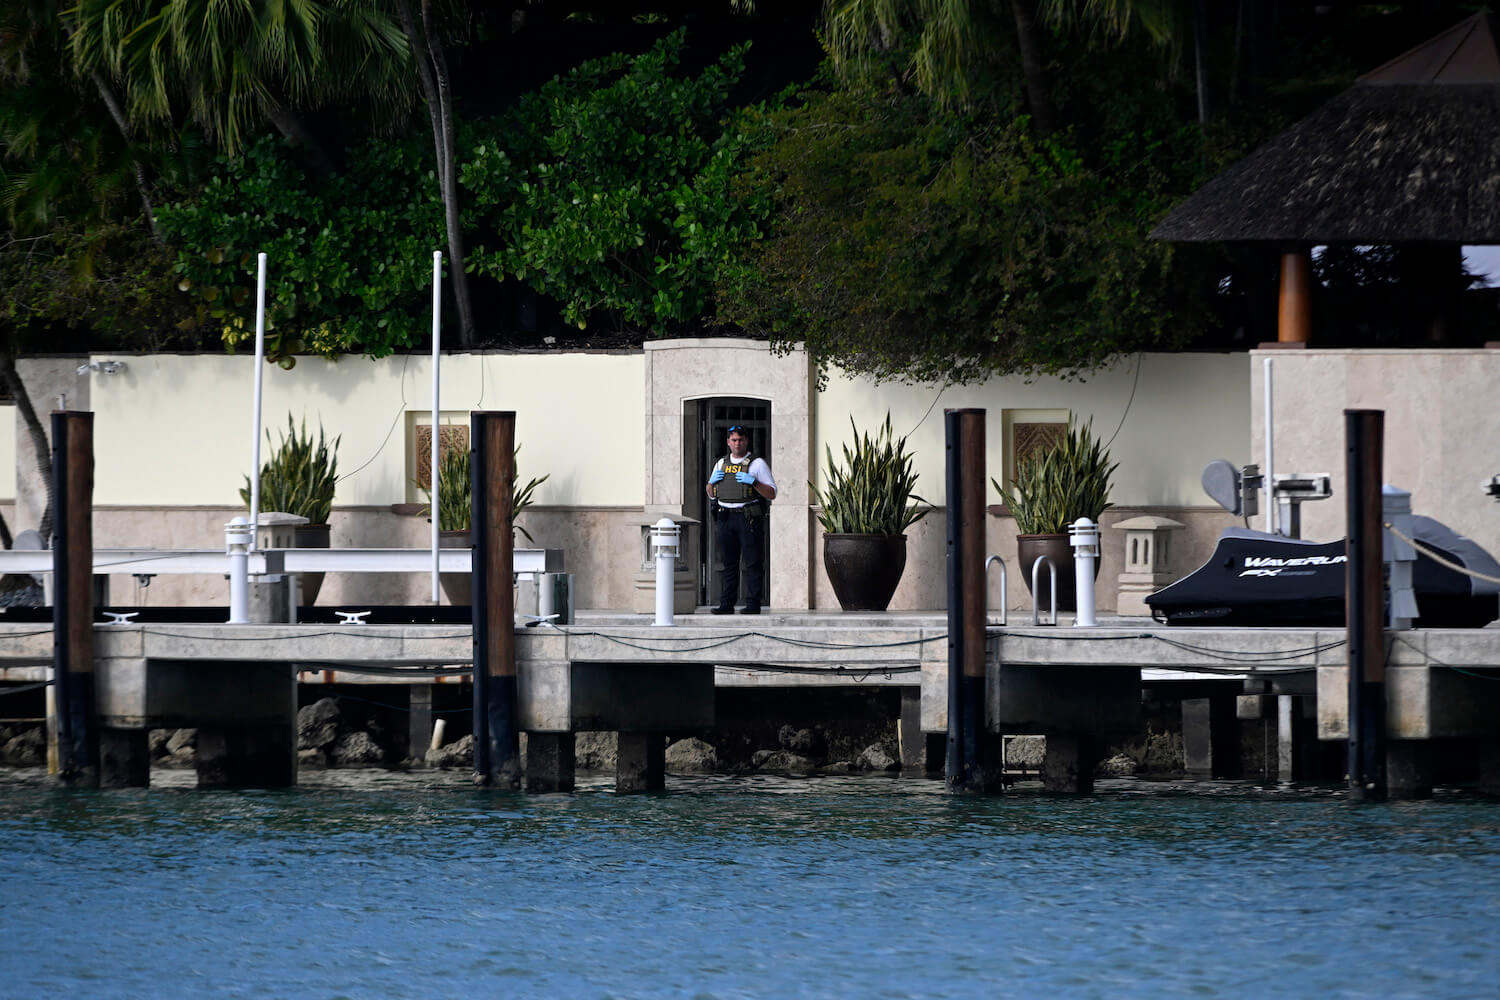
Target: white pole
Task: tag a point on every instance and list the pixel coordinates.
(437, 313)
(260, 365)
(1270, 491)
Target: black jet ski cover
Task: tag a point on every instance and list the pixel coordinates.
(1255, 578)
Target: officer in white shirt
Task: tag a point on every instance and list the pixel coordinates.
(741, 488)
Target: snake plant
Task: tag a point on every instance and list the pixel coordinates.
(870, 493)
(455, 492)
(300, 476)
(1057, 485)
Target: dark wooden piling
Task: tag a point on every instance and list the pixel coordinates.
(73, 596)
(965, 768)
(1364, 446)
(497, 752)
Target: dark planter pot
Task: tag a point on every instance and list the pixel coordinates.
(457, 587)
(311, 536)
(1056, 548)
(864, 569)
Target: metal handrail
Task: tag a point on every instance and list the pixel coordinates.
(1004, 589)
(1036, 611)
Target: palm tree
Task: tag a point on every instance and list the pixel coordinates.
(952, 42)
(235, 63)
(1165, 22)
(430, 55)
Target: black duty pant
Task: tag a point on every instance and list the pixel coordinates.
(739, 534)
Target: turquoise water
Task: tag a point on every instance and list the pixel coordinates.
(370, 884)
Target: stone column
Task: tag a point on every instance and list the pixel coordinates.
(1408, 769)
(1068, 765)
(419, 721)
(255, 756)
(909, 735)
(550, 762)
(641, 765)
(1210, 737)
(124, 758)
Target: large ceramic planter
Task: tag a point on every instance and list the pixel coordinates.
(864, 569)
(311, 536)
(1060, 551)
(457, 587)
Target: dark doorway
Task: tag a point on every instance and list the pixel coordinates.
(715, 417)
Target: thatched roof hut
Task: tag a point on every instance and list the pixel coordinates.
(1410, 153)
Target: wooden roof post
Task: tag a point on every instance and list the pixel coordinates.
(1294, 311)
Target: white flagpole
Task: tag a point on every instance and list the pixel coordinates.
(260, 365)
(437, 309)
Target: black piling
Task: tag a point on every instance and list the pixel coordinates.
(965, 769)
(497, 753)
(1364, 446)
(73, 597)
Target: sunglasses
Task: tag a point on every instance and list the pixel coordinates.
(737, 429)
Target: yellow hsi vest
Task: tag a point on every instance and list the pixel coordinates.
(730, 489)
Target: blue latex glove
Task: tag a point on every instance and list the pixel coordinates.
(745, 477)
(718, 476)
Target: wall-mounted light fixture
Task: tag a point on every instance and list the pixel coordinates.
(102, 367)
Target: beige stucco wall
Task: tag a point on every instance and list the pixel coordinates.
(176, 429)
(7, 453)
(1442, 428)
(172, 442)
(1186, 410)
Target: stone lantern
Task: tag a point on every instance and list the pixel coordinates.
(1147, 557)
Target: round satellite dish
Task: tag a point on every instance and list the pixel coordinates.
(1221, 481)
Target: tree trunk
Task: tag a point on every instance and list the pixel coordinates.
(432, 71)
(1200, 67)
(33, 425)
(1034, 67)
(118, 114)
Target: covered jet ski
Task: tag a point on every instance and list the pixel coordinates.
(1256, 578)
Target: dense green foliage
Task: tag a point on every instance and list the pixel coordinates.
(967, 191)
(871, 491)
(912, 242)
(300, 476)
(349, 259)
(609, 190)
(1056, 486)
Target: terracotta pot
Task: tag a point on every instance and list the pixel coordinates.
(457, 587)
(1058, 549)
(311, 536)
(864, 569)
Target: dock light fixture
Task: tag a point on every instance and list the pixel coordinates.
(666, 540)
(1084, 537)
